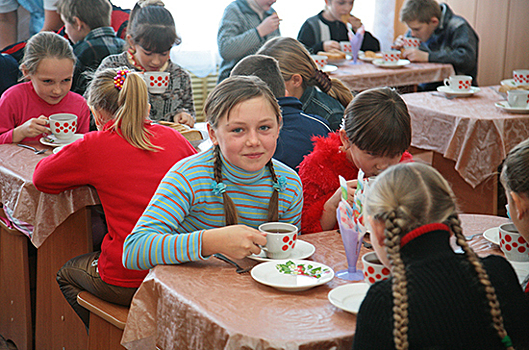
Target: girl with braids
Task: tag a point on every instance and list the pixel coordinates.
(125, 161)
(319, 94)
(515, 180)
(376, 134)
(436, 298)
(214, 201)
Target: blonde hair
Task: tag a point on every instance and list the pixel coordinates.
(94, 13)
(224, 97)
(420, 10)
(293, 59)
(407, 196)
(515, 169)
(45, 45)
(128, 107)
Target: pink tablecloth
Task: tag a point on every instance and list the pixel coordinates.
(206, 305)
(25, 203)
(471, 131)
(363, 76)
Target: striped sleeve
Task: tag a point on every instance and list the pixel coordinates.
(155, 238)
(291, 200)
(237, 35)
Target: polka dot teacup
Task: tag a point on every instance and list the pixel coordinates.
(374, 270)
(512, 244)
(280, 239)
(459, 82)
(157, 82)
(63, 125)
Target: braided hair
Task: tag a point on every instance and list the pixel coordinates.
(407, 196)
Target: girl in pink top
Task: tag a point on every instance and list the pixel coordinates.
(48, 64)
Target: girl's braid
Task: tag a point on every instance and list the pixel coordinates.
(230, 213)
(273, 206)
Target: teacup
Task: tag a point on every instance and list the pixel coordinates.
(411, 43)
(512, 244)
(521, 76)
(374, 270)
(157, 82)
(63, 125)
(518, 98)
(321, 61)
(459, 82)
(391, 56)
(280, 239)
(345, 46)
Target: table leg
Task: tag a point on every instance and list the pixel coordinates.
(57, 325)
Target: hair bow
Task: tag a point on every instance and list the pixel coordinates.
(280, 185)
(218, 188)
(119, 79)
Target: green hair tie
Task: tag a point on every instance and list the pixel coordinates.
(507, 341)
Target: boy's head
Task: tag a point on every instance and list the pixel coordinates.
(82, 16)
(377, 129)
(422, 17)
(264, 67)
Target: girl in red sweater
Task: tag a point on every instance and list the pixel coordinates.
(376, 133)
(125, 161)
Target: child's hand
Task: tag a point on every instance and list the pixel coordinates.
(269, 24)
(355, 22)
(31, 128)
(399, 43)
(416, 55)
(184, 118)
(328, 217)
(330, 45)
(237, 241)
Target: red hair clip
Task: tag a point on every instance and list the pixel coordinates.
(119, 79)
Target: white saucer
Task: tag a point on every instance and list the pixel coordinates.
(50, 140)
(449, 91)
(329, 68)
(379, 62)
(510, 83)
(521, 268)
(348, 297)
(362, 56)
(506, 107)
(57, 149)
(268, 274)
(492, 235)
(302, 250)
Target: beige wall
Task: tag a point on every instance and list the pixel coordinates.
(502, 26)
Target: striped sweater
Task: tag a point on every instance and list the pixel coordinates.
(184, 205)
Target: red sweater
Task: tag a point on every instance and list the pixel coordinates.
(125, 178)
(319, 174)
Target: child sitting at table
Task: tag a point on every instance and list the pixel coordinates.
(213, 202)
(445, 37)
(125, 161)
(327, 29)
(376, 134)
(150, 35)
(87, 24)
(48, 64)
(321, 95)
(435, 298)
(515, 180)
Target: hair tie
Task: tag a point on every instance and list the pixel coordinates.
(507, 341)
(280, 185)
(119, 79)
(218, 188)
(322, 80)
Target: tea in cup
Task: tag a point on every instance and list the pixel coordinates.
(374, 270)
(512, 244)
(63, 125)
(157, 82)
(391, 56)
(321, 61)
(280, 239)
(518, 98)
(521, 76)
(345, 46)
(459, 82)
(411, 43)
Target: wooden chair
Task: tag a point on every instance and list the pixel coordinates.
(15, 295)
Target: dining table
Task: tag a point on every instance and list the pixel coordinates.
(364, 75)
(207, 305)
(468, 137)
(59, 227)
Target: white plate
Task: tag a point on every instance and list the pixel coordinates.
(492, 235)
(449, 91)
(302, 250)
(268, 274)
(510, 83)
(379, 62)
(329, 68)
(348, 297)
(362, 56)
(521, 269)
(50, 140)
(506, 107)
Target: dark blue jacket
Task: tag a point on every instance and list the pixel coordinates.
(10, 72)
(298, 129)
